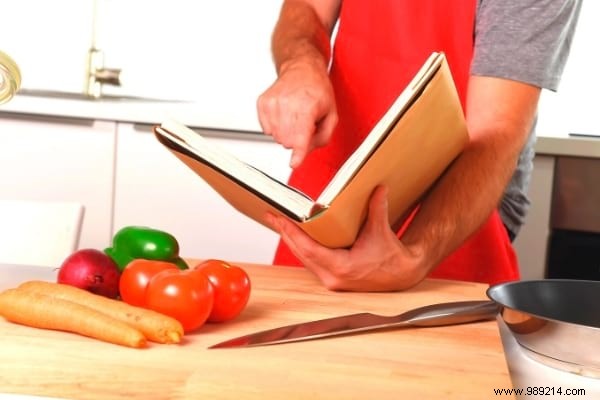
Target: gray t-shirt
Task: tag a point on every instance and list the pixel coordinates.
(526, 41)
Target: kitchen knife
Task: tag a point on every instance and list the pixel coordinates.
(432, 315)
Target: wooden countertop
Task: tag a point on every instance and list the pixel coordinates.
(453, 362)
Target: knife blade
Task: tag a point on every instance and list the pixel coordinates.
(440, 314)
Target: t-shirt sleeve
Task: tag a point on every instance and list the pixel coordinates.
(524, 40)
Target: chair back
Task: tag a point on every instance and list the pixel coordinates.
(40, 233)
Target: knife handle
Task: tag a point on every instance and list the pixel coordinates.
(453, 313)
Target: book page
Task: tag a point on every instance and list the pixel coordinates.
(381, 129)
(253, 179)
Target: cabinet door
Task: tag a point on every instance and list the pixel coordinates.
(153, 188)
(61, 159)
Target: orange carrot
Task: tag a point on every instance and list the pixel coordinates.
(41, 311)
(155, 326)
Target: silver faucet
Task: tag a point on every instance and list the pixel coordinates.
(97, 75)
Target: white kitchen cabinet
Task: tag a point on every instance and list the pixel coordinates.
(532, 242)
(52, 158)
(124, 176)
(153, 188)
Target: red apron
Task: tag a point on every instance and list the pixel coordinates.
(379, 47)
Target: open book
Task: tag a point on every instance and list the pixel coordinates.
(408, 149)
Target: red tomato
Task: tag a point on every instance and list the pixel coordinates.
(184, 295)
(135, 278)
(232, 288)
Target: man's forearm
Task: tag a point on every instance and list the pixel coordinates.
(458, 205)
(300, 34)
(499, 121)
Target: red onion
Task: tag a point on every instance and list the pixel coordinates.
(92, 270)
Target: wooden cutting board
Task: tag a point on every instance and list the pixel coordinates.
(454, 362)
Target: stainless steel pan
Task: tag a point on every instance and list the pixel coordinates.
(556, 321)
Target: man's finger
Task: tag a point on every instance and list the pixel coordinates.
(297, 157)
(301, 245)
(265, 112)
(378, 219)
(324, 130)
(301, 136)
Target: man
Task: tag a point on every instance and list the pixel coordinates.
(324, 101)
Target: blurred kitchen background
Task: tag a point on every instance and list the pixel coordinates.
(216, 53)
(57, 144)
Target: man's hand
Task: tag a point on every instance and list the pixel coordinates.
(377, 261)
(299, 110)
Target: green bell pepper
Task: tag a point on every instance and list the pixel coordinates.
(132, 242)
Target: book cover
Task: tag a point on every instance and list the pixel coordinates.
(408, 150)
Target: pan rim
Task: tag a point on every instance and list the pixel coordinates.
(497, 287)
(543, 337)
